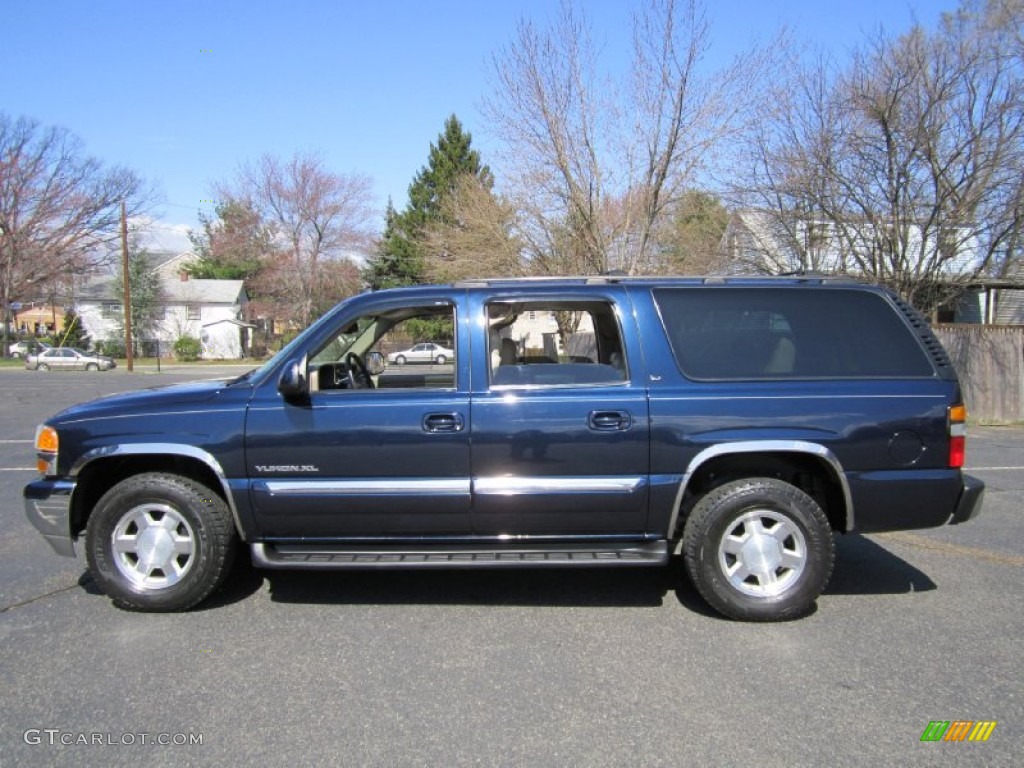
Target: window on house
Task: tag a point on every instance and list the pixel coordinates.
(110, 309)
(193, 312)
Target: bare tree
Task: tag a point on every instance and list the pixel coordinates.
(318, 217)
(472, 236)
(596, 166)
(59, 208)
(906, 166)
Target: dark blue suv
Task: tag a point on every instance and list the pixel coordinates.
(580, 422)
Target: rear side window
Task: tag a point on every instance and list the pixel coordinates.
(554, 343)
(787, 333)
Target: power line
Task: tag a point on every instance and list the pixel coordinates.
(189, 207)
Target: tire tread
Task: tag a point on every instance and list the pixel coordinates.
(220, 537)
(695, 537)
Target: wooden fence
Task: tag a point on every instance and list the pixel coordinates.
(989, 360)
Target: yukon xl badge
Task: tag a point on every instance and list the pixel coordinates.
(287, 468)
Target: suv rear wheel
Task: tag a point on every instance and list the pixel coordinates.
(758, 549)
(160, 542)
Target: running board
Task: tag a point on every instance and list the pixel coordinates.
(540, 555)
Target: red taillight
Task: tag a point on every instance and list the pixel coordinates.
(957, 436)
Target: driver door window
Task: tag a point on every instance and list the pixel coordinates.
(410, 348)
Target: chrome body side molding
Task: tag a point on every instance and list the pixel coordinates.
(519, 486)
(406, 486)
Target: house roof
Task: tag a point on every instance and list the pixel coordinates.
(169, 265)
(230, 321)
(203, 291)
(175, 291)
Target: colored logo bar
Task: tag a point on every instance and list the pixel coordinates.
(958, 730)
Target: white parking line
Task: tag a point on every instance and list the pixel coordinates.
(15, 441)
(18, 469)
(992, 469)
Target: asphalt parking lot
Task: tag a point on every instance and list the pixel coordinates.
(587, 668)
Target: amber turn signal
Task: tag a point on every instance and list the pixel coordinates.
(47, 445)
(46, 439)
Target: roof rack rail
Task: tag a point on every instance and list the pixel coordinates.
(614, 277)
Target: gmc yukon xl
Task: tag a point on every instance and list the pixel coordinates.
(580, 422)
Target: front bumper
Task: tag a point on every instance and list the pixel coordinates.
(48, 508)
(969, 505)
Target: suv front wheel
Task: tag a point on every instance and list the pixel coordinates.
(758, 549)
(160, 542)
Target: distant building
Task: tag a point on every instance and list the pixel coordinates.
(209, 310)
(760, 242)
(764, 243)
(39, 320)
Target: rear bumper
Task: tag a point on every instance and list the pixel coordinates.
(971, 498)
(48, 508)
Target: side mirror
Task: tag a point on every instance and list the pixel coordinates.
(293, 384)
(375, 363)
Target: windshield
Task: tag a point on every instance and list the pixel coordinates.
(287, 350)
(347, 338)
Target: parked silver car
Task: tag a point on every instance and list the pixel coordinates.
(68, 359)
(26, 348)
(425, 352)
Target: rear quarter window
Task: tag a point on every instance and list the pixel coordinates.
(787, 333)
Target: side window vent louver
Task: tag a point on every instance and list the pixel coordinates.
(925, 333)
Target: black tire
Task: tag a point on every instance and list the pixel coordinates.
(400, 360)
(188, 548)
(16, 355)
(441, 360)
(92, 367)
(42, 367)
(758, 549)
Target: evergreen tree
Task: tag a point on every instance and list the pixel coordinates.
(402, 253)
(450, 159)
(73, 334)
(146, 295)
(231, 246)
(396, 262)
(692, 244)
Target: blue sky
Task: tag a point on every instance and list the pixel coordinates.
(183, 92)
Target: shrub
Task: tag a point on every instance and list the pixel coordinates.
(110, 348)
(187, 348)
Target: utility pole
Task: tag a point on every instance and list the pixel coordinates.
(7, 305)
(127, 290)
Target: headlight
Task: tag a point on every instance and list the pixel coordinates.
(47, 446)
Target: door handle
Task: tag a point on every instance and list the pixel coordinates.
(609, 421)
(443, 422)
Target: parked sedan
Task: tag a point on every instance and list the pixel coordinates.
(26, 348)
(425, 352)
(68, 359)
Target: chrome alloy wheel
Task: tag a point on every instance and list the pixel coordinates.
(153, 546)
(762, 553)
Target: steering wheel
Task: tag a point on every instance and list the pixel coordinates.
(353, 364)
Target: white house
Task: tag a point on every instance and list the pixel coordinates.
(537, 331)
(209, 310)
(762, 242)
